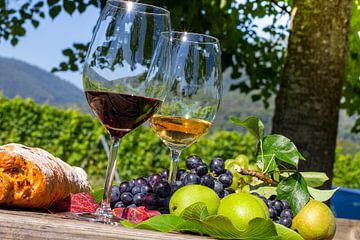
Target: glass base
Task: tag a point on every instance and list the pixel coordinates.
(93, 217)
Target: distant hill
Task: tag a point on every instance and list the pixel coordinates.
(18, 78)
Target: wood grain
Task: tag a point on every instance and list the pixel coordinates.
(347, 229)
(36, 225)
(33, 225)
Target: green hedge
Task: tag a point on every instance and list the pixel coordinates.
(347, 170)
(75, 138)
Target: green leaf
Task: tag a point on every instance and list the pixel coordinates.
(196, 211)
(286, 233)
(14, 41)
(69, 6)
(98, 194)
(267, 163)
(294, 189)
(215, 226)
(54, 11)
(252, 124)
(260, 228)
(314, 179)
(35, 23)
(220, 227)
(282, 148)
(52, 2)
(191, 226)
(162, 223)
(321, 195)
(266, 191)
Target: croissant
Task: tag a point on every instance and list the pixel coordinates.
(33, 178)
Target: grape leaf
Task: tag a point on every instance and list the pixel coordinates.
(267, 163)
(314, 179)
(260, 228)
(215, 225)
(162, 223)
(220, 227)
(252, 124)
(266, 191)
(286, 233)
(294, 190)
(196, 211)
(322, 195)
(282, 148)
(98, 194)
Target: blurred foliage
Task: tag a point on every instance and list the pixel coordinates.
(351, 89)
(75, 138)
(346, 170)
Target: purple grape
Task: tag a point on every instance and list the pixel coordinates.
(151, 201)
(193, 162)
(119, 205)
(286, 213)
(140, 182)
(201, 170)
(125, 187)
(162, 189)
(115, 195)
(207, 180)
(191, 179)
(155, 178)
(225, 179)
(126, 198)
(139, 199)
(285, 222)
(217, 166)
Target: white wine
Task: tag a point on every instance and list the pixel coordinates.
(179, 132)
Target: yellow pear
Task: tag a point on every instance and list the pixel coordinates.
(315, 221)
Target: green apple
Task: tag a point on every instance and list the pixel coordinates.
(241, 208)
(190, 194)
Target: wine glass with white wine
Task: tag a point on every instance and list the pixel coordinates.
(189, 109)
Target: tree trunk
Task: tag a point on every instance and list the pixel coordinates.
(307, 106)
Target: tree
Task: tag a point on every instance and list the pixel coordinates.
(246, 52)
(249, 50)
(308, 103)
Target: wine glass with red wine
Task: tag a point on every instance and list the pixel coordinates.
(115, 78)
(189, 110)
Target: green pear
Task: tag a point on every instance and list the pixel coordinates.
(241, 208)
(190, 194)
(315, 221)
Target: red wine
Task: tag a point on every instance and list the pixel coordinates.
(120, 113)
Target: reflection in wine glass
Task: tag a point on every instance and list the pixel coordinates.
(194, 70)
(114, 78)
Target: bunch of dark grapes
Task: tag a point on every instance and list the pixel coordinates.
(279, 210)
(154, 191)
(215, 176)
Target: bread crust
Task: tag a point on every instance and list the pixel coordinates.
(33, 178)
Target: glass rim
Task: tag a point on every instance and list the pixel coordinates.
(177, 35)
(162, 11)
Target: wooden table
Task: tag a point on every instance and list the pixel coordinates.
(35, 225)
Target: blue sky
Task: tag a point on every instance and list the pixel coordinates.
(42, 46)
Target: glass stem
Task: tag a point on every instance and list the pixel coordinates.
(104, 209)
(175, 154)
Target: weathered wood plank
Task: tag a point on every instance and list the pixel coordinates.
(36, 225)
(347, 229)
(32, 225)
